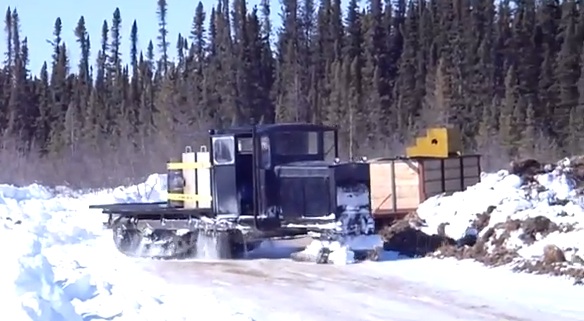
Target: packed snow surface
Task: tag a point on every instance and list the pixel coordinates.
(59, 263)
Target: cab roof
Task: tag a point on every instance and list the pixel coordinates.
(271, 128)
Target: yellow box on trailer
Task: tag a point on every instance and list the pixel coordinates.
(433, 165)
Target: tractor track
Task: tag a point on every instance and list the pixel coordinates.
(272, 287)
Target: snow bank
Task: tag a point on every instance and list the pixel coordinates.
(60, 264)
(32, 292)
(505, 210)
(510, 199)
(154, 189)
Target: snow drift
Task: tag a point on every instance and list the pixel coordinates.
(27, 274)
(60, 264)
(531, 221)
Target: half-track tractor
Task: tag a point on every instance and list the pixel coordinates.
(251, 184)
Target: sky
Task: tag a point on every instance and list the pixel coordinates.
(37, 19)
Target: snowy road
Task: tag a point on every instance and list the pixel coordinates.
(278, 289)
(62, 265)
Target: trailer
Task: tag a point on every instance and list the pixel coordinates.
(432, 165)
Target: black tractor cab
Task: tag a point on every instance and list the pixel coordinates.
(239, 154)
(278, 172)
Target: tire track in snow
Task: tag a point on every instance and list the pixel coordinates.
(299, 289)
(278, 288)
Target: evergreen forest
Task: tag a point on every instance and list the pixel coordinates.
(508, 74)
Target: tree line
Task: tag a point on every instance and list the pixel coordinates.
(507, 74)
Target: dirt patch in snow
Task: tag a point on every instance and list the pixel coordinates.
(491, 248)
(526, 169)
(9, 222)
(574, 167)
(404, 237)
(553, 269)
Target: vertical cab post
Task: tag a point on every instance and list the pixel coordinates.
(213, 184)
(254, 169)
(336, 138)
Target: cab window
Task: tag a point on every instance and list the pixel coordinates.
(244, 145)
(223, 150)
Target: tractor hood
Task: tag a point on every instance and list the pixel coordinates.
(303, 169)
(341, 172)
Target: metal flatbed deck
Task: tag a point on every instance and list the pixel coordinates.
(152, 210)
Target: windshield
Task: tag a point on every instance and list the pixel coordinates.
(296, 143)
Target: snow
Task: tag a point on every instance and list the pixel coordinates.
(553, 196)
(343, 253)
(154, 189)
(394, 289)
(59, 263)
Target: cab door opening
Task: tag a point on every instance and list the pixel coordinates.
(244, 174)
